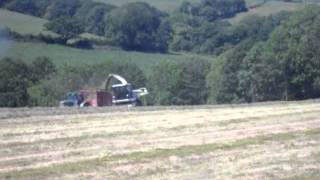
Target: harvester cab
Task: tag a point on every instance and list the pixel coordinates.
(123, 92)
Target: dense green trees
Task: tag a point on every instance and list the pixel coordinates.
(68, 27)
(62, 8)
(211, 10)
(295, 45)
(16, 77)
(181, 83)
(193, 34)
(208, 38)
(13, 83)
(164, 83)
(285, 67)
(24, 6)
(42, 68)
(135, 26)
(93, 14)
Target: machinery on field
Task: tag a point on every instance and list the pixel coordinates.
(117, 91)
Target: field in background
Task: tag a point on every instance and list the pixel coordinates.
(62, 55)
(260, 141)
(253, 2)
(22, 24)
(267, 9)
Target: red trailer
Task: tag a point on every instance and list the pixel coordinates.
(96, 98)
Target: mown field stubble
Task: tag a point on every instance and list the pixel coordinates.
(260, 141)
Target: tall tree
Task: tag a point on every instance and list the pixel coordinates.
(68, 27)
(62, 8)
(14, 83)
(134, 26)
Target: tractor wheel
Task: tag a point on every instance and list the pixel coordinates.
(137, 103)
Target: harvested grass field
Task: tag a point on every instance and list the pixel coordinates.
(259, 141)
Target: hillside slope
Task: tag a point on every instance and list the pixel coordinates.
(62, 55)
(22, 24)
(269, 8)
(261, 141)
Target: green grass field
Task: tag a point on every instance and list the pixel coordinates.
(22, 24)
(267, 9)
(62, 55)
(253, 2)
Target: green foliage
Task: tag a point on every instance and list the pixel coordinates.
(93, 16)
(14, 82)
(224, 75)
(193, 34)
(135, 26)
(257, 80)
(210, 38)
(296, 47)
(211, 10)
(62, 8)
(68, 27)
(19, 81)
(24, 6)
(258, 28)
(285, 67)
(179, 83)
(42, 68)
(164, 83)
(194, 90)
(246, 74)
(47, 93)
